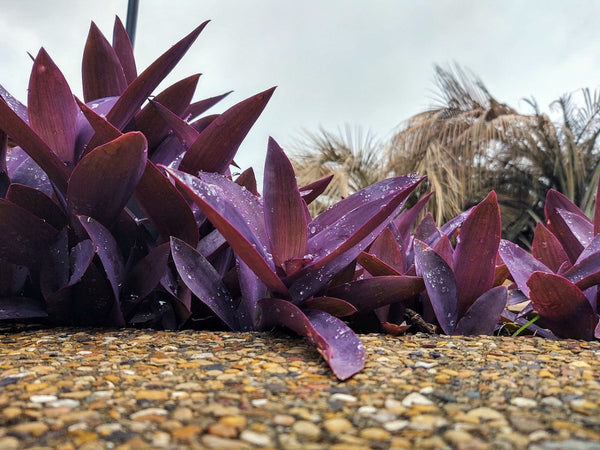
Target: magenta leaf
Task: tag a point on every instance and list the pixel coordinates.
(247, 179)
(236, 213)
(311, 191)
(252, 290)
(104, 180)
(33, 145)
(124, 50)
(201, 106)
(563, 306)
(338, 345)
(285, 221)
(38, 203)
(204, 281)
(475, 252)
(140, 89)
(520, 263)
(102, 72)
(165, 206)
(574, 232)
(52, 109)
(483, 315)
(407, 218)
(375, 266)
(331, 305)
(175, 99)
(440, 285)
(386, 248)
(427, 231)
(585, 272)
(556, 200)
(443, 247)
(19, 108)
(218, 143)
(371, 293)
(547, 248)
(24, 237)
(104, 130)
(597, 213)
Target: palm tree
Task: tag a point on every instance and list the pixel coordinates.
(354, 159)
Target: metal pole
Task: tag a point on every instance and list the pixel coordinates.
(132, 13)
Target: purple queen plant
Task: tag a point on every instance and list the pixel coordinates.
(286, 260)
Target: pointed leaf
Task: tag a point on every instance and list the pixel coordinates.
(585, 272)
(371, 293)
(175, 99)
(311, 191)
(19, 108)
(476, 250)
(36, 202)
(201, 106)
(555, 201)
(520, 264)
(283, 207)
(338, 345)
(186, 134)
(252, 290)
(165, 206)
(141, 88)
(443, 247)
(386, 248)
(24, 238)
(440, 284)
(236, 213)
(483, 315)
(52, 109)
(407, 218)
(108, 251)
(331, 305)
(145, 276)
(104, 180)
(33, 145)
(204, 281)
(124, 50)
(562, 305)
(217, 145)
(102, 73)
(375, 266)
(547, 248)
(248, 180)
(574, 232)
(427, 231)
(103, 128)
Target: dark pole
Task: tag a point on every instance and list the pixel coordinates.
(132, 13)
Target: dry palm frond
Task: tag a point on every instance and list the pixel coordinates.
(353, 158)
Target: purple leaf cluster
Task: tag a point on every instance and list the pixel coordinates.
(121, 209)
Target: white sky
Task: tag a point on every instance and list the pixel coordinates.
(335, 62)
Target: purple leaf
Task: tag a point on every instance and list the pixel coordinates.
(175, 99)
(371, 293)
(338, 345)
(520, 264)
(23, 170)
(104, 180)
(311, 191)
(386, 248)
(204, 281)
(141, 88)
(217, 145)
(252, 290)
(236, 213)
(102, 72)
(443, 247)
(165, 206)
(331, 305)
(24, 238)
(38, 203)
(33, 145)
(283, 207)
(21, 308)
(19, 108)
(145, 276)
(93, 301)
(547, 248)
(248, 180)
(80, 259)
(201, 106)
(375, 266)
(483, 315)
(54, 272)
(562, 305)
(555, 201)
(124, 50)
(475, 253)
(585, 272)
(574, 232)
(427, 231)
(407, 218)
(440, 284)
(454, 224)
(186, 134)
(597, 214)
(52, 109)
(108, 251)
(105, 131)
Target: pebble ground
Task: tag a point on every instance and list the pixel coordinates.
(131, 389)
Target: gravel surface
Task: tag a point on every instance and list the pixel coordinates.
(127, 389)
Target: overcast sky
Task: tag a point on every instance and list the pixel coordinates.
(335, 62)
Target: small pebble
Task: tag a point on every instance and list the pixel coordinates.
(415, 398)
(522, 402)
(43, 398)
(306, 429)
(337, 425)
(345, 398)
(258, 439)
(395, 425)
(258, 402)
